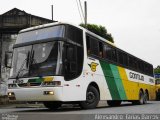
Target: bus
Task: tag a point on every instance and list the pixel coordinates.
(61, 63)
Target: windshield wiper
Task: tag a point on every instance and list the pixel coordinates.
(22, 65)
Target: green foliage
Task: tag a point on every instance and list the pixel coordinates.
(99, 30)
(157, 70)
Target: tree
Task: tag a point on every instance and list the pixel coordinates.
(99, 30)
(157, 69)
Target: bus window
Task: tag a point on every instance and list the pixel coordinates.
(104, 51)
(70, 63)
(122, 58)
(125, 59)
(88, 44)
(73, 62)
(74, 34)
(110, 53)
(114, 55)
(100, 49)
(94, 46)
(140, 65)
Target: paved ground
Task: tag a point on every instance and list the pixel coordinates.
(32, 111)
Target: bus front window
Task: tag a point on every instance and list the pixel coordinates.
(38, 60)
(20, 61)
(44, 59)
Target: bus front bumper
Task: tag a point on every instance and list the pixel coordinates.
(35, 94)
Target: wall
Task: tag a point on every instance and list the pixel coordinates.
(7, 45)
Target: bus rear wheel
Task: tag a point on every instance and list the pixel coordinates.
(92, 98)
(158, 95)
(141, 99)
(146, 98)
(52, 105)
(114, 103)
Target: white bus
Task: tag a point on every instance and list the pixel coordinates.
(62, 63)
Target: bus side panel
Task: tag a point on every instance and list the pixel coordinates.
(94, 70)
(152, 93)
(114, 81)
(103, 87)
(75, 90)
(131, 88)
(140, 81)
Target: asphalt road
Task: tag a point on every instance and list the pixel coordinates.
(75, 113)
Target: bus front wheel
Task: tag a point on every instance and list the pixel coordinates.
(92, 98)
(52, 105)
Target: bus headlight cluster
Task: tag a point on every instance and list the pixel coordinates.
(51, 83)
(11, 94)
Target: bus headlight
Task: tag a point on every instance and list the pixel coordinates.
(11, 94)
(51, 83)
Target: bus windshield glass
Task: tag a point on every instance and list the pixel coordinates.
(41, 34)
(37, 60)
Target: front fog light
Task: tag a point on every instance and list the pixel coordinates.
(48, 93)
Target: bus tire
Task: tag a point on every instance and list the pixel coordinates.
(92, 98)
(158, 95)
(114, 103)
(52, 105)
(141, 99)
(146, 98)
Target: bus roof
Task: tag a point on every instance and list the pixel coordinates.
(58, 23)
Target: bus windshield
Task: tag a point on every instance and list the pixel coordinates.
(41, 34)
(41, 59)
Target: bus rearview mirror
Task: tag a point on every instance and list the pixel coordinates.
(8, 59)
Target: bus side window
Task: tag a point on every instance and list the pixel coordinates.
(70, 64)
(100, 49)
(74, 34)
(94, 46)
(104, 51)
(88, 44)
(122, 58)
(109, 52)
(114, 55)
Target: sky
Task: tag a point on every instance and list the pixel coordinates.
(134, 24)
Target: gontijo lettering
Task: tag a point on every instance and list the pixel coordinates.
(136, 76)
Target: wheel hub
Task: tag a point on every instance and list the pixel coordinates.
(90, 97)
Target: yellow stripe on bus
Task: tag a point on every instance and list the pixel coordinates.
(48, 79)
(130, 87)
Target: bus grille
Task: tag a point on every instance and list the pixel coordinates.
(29, 84)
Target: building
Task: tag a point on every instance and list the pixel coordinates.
(11, 23)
